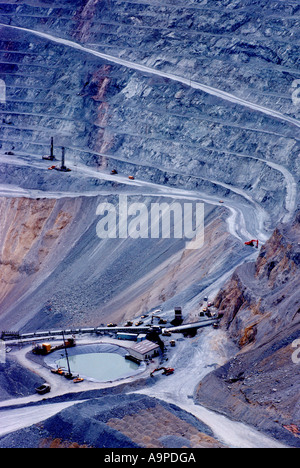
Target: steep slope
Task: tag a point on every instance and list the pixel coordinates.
(36, 235)
(199, 101)
(251, 47)
(171, 102)
(56, 271)
(137, 120)
(261, 313)
(263, 297)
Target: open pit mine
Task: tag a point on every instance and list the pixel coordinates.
(149, 224)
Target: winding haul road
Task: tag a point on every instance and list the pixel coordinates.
(247, 219)
(153, 71)
(244, 222)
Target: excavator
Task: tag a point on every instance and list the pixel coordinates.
(160, 320)
(166, 371)
(252, 243)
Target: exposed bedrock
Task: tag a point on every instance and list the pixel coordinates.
(261, 307)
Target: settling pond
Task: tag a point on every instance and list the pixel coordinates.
(97, 363)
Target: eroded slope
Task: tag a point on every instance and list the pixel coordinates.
(261, 313)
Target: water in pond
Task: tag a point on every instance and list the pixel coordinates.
(102, 367)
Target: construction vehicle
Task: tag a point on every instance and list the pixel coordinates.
(45, 388)
(51, 157)
(42, 349)
(252, 243)
(114, 172)
(78, 380)
(46, 348)
(161, 321)
(58, 371)
(166, 371)
(131, 177)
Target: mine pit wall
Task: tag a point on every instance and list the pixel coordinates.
(111, 116)
(55, 271)
(261, 314)
(263, 297)
(36, 235)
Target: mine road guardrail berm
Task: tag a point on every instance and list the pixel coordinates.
(15, 336)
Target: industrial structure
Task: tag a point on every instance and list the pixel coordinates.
(63, 167)
(178, 313)
(51, 157)
(144, 350)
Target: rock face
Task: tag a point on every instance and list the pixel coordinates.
(35, 236)
(22, 252)
(15, 381)
(261, 307)
(263, 297)
(111, 116)
(170, 133)
(56, 271)
(163, 131)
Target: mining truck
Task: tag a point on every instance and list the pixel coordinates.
(47, 348)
